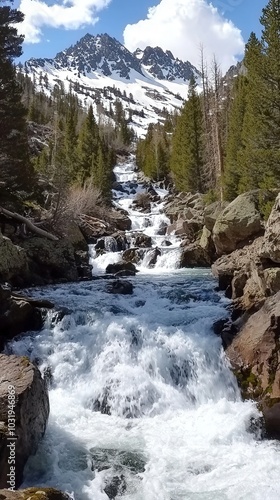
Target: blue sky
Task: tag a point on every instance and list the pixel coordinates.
(179, 25)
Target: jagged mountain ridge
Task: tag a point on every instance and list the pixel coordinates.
(100, 69)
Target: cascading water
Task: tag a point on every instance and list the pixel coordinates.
(143, 403)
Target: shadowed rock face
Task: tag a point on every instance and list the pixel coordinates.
(21, 385)
(255, 356)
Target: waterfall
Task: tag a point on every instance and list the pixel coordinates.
(143, 403)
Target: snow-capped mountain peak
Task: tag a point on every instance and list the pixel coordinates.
(100, 70)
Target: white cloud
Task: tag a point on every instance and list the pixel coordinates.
(67, 14)
(182, 26)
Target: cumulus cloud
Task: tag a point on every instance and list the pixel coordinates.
(183, 26)
(67, 14)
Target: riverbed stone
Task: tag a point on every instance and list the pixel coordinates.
(21, 378)
(121, 266)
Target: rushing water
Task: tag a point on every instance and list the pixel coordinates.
(143, 403)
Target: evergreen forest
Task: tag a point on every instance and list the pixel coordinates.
(226, 138)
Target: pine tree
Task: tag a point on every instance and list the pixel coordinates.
(88, 143)
(250, 158)
(16, 169)
(187, 148)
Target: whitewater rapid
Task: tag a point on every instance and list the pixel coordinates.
(143, 403)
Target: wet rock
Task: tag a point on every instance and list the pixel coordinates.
(116, 486)
(36, 493)
(141, 240)
(84, 269)
(133, 255)
(194, 256)
(151, 257)
(21, 381)
(121, 266)
(20, 314)
(120, 287)
(120, 220)
(121, 240)
(237, 223)
(166, 243)
(161, 231)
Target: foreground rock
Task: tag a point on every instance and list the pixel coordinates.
(33, 494)
(255, 358)
(21, 385)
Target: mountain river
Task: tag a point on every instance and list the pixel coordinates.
(143, 403)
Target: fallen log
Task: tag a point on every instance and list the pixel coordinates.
(29, 224)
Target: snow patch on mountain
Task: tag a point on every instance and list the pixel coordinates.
(99, 69)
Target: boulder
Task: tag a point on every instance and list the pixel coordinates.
(194, 256)
(255, 357)
(271, 244)
(212, 212)
(24, 410)
(36, 493)
(240, 260)
(133, 255)
(121, 266)
(13, 262)
(151, 257)
(180, 228)
(19, 314)
(50, 261)
(237, 223)
(120, 220)
(120, 287)
(141, 240)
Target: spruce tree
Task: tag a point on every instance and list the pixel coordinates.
(16, 169)
(187, 148)
(88, 143)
